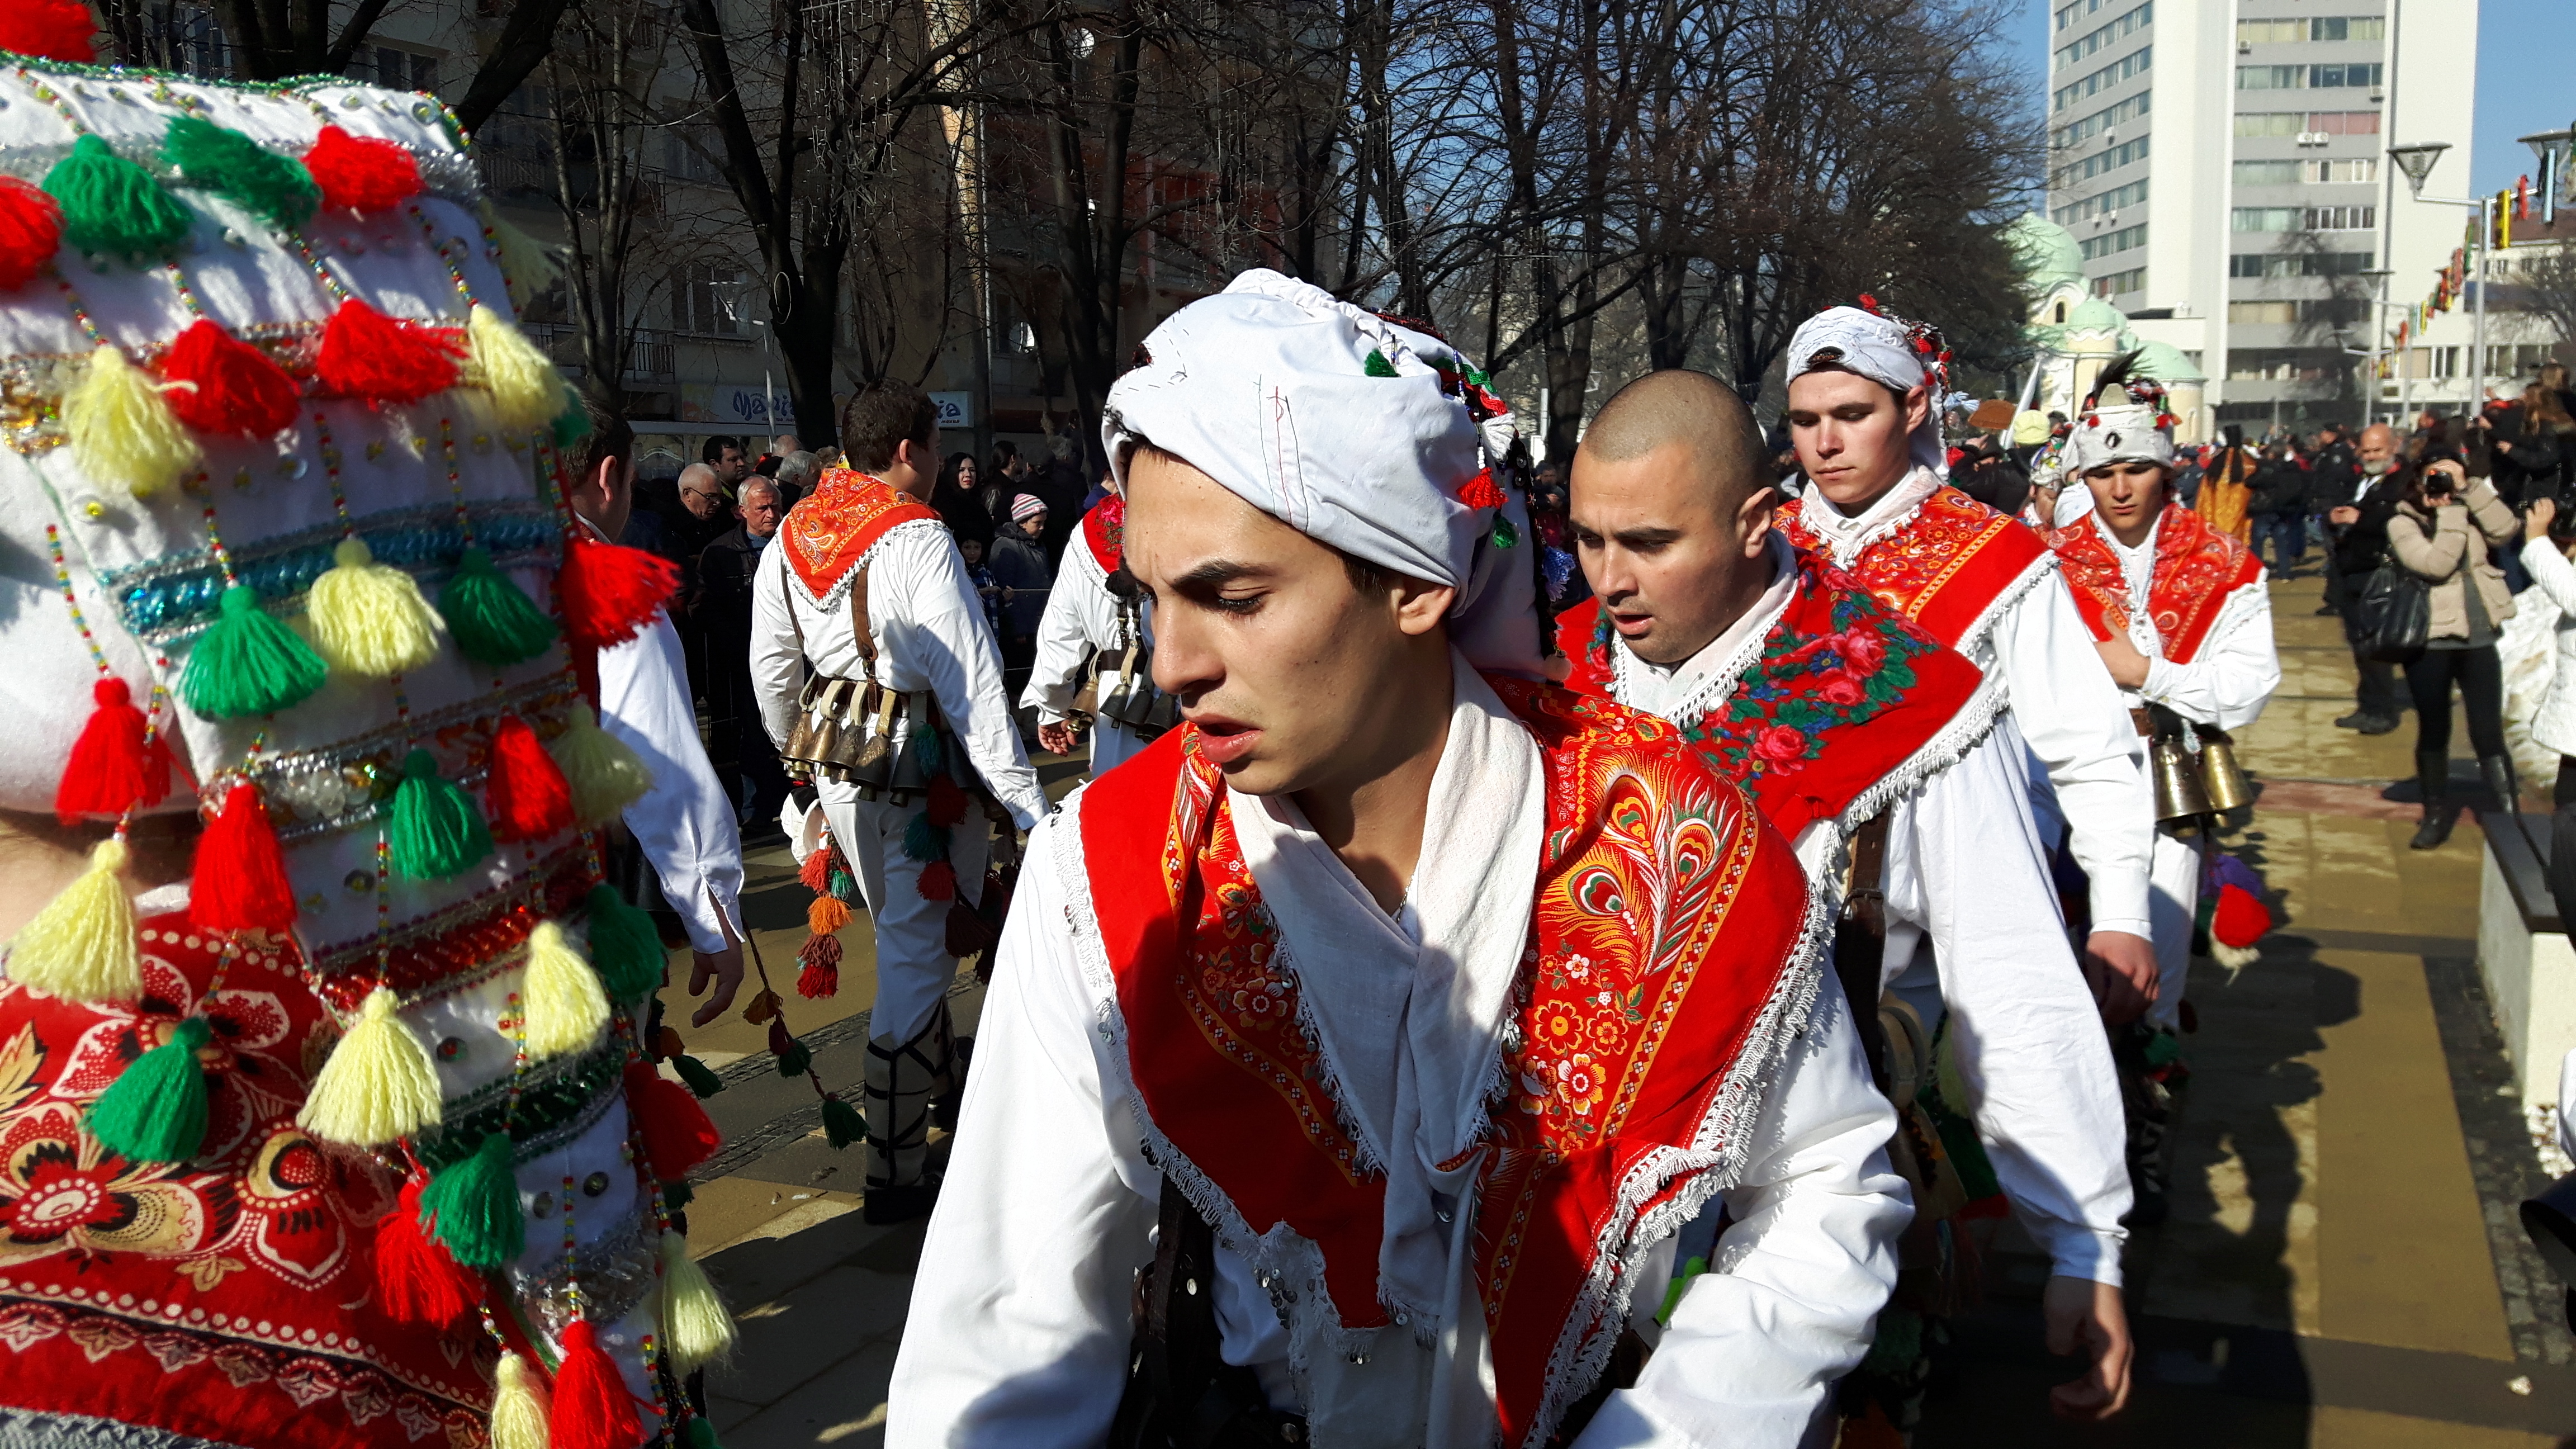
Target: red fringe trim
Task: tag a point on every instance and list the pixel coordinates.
(233, 387)
(113, 767)
(31, 226)
(677, 1132)
(609, 592)
(239, 882)
(361, 173)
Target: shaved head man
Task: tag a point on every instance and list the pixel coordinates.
(1672, 512)
(1846, 723)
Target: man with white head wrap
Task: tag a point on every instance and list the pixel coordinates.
(1419, 981)
(2183, 621)
(1862, 390)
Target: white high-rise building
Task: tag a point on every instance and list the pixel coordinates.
(2222, 166)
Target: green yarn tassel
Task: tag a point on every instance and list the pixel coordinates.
(248, 662)
(491, 618)
(702, 1435)
(700, 1077)
(473, 1207)
(624, 948)
(794, 1061)
(677, 1194)
(925, 748)
(843, 886)
(924, 841)
(276, 189)
(436, 832)
(114, 206)
(573, 423)
(1377, 365)
(842, 1123)
(155, 1111)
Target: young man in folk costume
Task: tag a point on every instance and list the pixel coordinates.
(1863, 414)
(2184, 623)
(866, 586)
(1418, 1002)
(1882, 754)
(1095, 611)
(326, 1114)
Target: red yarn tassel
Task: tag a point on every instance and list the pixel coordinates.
(417, 1280)
(1482, 491)
(677, 1132)
(2240, 919)
(53, 29)
(240, 883)
(360, 173)
(592, 1409)
(31, 228)
(938, 881)
(366, 354)
(231, 386)
(608, 592)
(816, 872)
(525, 794)
(821, 958)
(947, 803)
(113, 766)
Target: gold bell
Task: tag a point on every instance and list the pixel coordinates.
(2220, 778)
(2179, 793)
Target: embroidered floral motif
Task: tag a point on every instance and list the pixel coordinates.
(1104, 532)
(2196, 568)
(1808, 686)
(1943, 568)
(831, 529)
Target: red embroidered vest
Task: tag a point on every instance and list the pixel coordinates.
(2197, 567)
(227, 1298)
(1944, 571)
(1666, 972)
(1104, 532)
(832, 528)
(1844, 694)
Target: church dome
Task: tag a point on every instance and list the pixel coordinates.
(2095, 315)
(2047, 252)
(2165, 363)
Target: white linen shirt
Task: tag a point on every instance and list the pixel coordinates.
(1021, 1338)
(1081, 620)
(1973, 929)
(2232, 674)
(930, 638)
(2070, 713)
(685, 822)
(2554, 724)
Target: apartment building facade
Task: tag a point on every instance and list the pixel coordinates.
(2222, 167)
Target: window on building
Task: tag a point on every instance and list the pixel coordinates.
(2347, 27)
(2114, 243)
(2076, 132)
(2136, 63)
(2069, 14)
(2268, 265)
(2133, 194)
(2281, 364)
(2117, 283)
(2264, 218)
(2271, 123)
(2120, 29)
(2342, 172)
(692, 163)
(2271, 173)
(705, 287)
(2342, 218)
(2304, 218)
(2344, 123)
(2270, 32)
(2271, 77)
(402, 70)
(2101, 161)
(2267, 314)
(2359, 73)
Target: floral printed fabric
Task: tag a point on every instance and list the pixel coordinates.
(229, 1297)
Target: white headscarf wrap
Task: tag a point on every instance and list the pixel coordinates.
(2124, 421)
(1882, 349)
(1350, 429)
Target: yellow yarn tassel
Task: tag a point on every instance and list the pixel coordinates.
(697, 1329)
(369, 618)
(606, 776)
(526, 390)
(518, 1406)
(528, 266)
(81, 946)
(122, 429)
(565, 1005)
(378, 1085)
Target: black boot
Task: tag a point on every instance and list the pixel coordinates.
(2498, 771)
(2433, 776)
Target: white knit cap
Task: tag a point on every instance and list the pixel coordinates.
(2124, 421)
(1357, 432)
(1887, 351)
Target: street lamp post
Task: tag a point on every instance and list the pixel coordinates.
(2417, 161)
(2379, 305)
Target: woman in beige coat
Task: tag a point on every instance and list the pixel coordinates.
(2443, 531)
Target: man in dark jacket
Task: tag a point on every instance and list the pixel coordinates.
(2360, 527)
(2280, 508)
(744, 755)
(2333, 474)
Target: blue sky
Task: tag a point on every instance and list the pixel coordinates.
(2526, 81)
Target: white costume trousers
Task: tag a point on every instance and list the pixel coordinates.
(2173, 896)
(913, 964)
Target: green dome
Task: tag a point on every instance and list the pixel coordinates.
(2165, 363)
(2047, 252)
(2095, 315)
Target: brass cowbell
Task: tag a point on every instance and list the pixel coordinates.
(2220, 777)
(2180, 796)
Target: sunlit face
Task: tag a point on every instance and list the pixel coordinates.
(1281, 663)
(1852, 434)
(2128, 495)
(1667, 560)
(760, 511)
